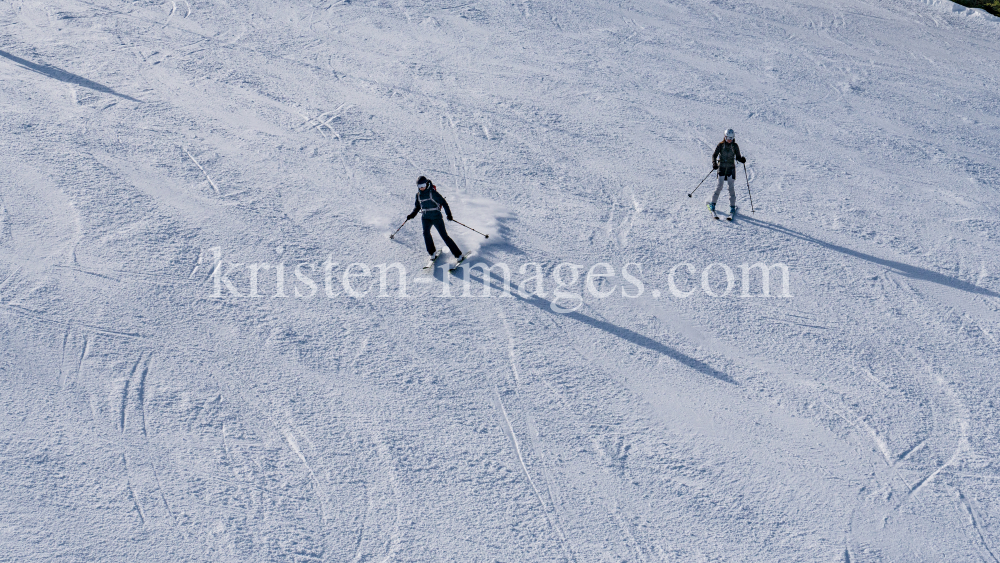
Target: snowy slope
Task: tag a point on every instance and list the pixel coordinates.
(149, 146)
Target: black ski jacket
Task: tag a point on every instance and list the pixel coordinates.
(429, 201)
(726, 155)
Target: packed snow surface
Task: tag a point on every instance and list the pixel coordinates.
(198, 361)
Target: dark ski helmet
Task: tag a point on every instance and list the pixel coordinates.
(423, 182)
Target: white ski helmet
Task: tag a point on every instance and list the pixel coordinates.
(730, 135)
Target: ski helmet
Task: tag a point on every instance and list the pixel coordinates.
(730, 135)
(423, 182)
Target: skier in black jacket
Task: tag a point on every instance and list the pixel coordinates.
(430, 203)
(724, 159)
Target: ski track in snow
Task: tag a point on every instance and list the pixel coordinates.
(207, 177)
(853, 421)
(551, 514)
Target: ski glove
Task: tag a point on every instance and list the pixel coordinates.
(450, 218)
(715, 166)
(411, 215)
(743, 159)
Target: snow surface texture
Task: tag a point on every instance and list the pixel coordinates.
(145, 420)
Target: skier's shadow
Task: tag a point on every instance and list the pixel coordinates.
(63, 76)
(496, 282)
(898, 267)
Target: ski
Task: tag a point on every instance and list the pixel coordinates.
(461, 259)
(432, 260)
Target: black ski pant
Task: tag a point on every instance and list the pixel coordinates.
(435, 219)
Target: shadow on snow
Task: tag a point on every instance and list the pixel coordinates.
(907, 270)
(628, 335)
(63, 76)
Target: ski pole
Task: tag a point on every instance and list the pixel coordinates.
(393, 235)
(701, 182)
(748, 187)
(470, 228)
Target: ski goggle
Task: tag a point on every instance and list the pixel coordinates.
(422, 186)
(730, 138)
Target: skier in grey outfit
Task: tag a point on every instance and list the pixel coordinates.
(430, 203)
(724, 159)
